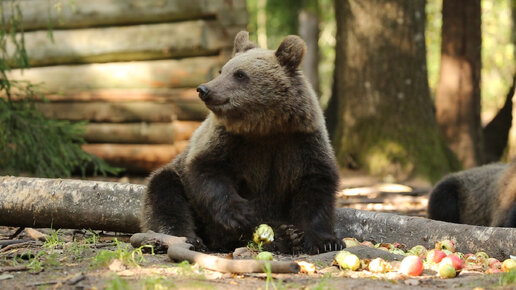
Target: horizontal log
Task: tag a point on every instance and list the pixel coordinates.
(125, 111)
(37, 14)
(37, 202)
(75, 204)
(411, 231)
(136, 157)
(153, 74)
(140, 133)
(126, 43)
(123, 95)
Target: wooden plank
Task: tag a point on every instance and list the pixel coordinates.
(140, 133)
(73, 14)
(126, 43)
(136, 157)
(154, 74)
(125, 111)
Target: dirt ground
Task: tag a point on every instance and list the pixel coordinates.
(83, 259)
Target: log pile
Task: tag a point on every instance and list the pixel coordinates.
(130, 68)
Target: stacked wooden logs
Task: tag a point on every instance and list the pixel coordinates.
(130, 68)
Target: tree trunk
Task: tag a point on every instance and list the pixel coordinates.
(309, 31)
(457, 98)
(385, 120)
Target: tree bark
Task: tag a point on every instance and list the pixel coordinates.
(61, 203)
(457, 98)
(64, 203)
(125, 43)
(385, 121)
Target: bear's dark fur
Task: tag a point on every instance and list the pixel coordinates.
(484, 196)
(261, 156)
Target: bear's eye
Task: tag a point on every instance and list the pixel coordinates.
(220, 71)
(240, 75)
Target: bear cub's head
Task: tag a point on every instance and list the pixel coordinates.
(262, 91)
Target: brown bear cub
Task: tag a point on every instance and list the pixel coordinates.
(261, 156)
(484, 196)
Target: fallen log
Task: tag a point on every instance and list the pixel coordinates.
(136, 157)
(152, 74)
(180, 250)
(140, 133)
(411, 231)
(36, 202)
(65, 203)
(125, 43)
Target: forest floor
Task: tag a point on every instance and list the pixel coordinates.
(85, 259)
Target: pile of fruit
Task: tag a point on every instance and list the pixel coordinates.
(443, 259)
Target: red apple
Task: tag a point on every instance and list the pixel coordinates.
(494, 263)
(453, 260)
(411, 265)
(435, 256)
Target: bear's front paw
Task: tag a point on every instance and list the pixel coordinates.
(314, 245)
(240, 218)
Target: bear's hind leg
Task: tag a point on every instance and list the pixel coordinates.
(166, 209)
(443, 204)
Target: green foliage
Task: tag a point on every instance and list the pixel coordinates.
(29, 142)
(508, 278)
(123, 253)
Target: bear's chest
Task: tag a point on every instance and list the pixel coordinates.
(266, 167)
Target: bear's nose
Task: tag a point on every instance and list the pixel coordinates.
(203, 92)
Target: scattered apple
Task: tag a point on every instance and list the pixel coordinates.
(494, 263)
(418, 250)
(453, 260)
(483, 255)
(368, 244)
(347, 260)
(508, 265)
(435, 256)
(351, 242)
(379, 265)
(445, 245)
(411, 265)
(447, 271)
(263, 234)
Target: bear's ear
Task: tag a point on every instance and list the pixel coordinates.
(291, 51)
(242, 43)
